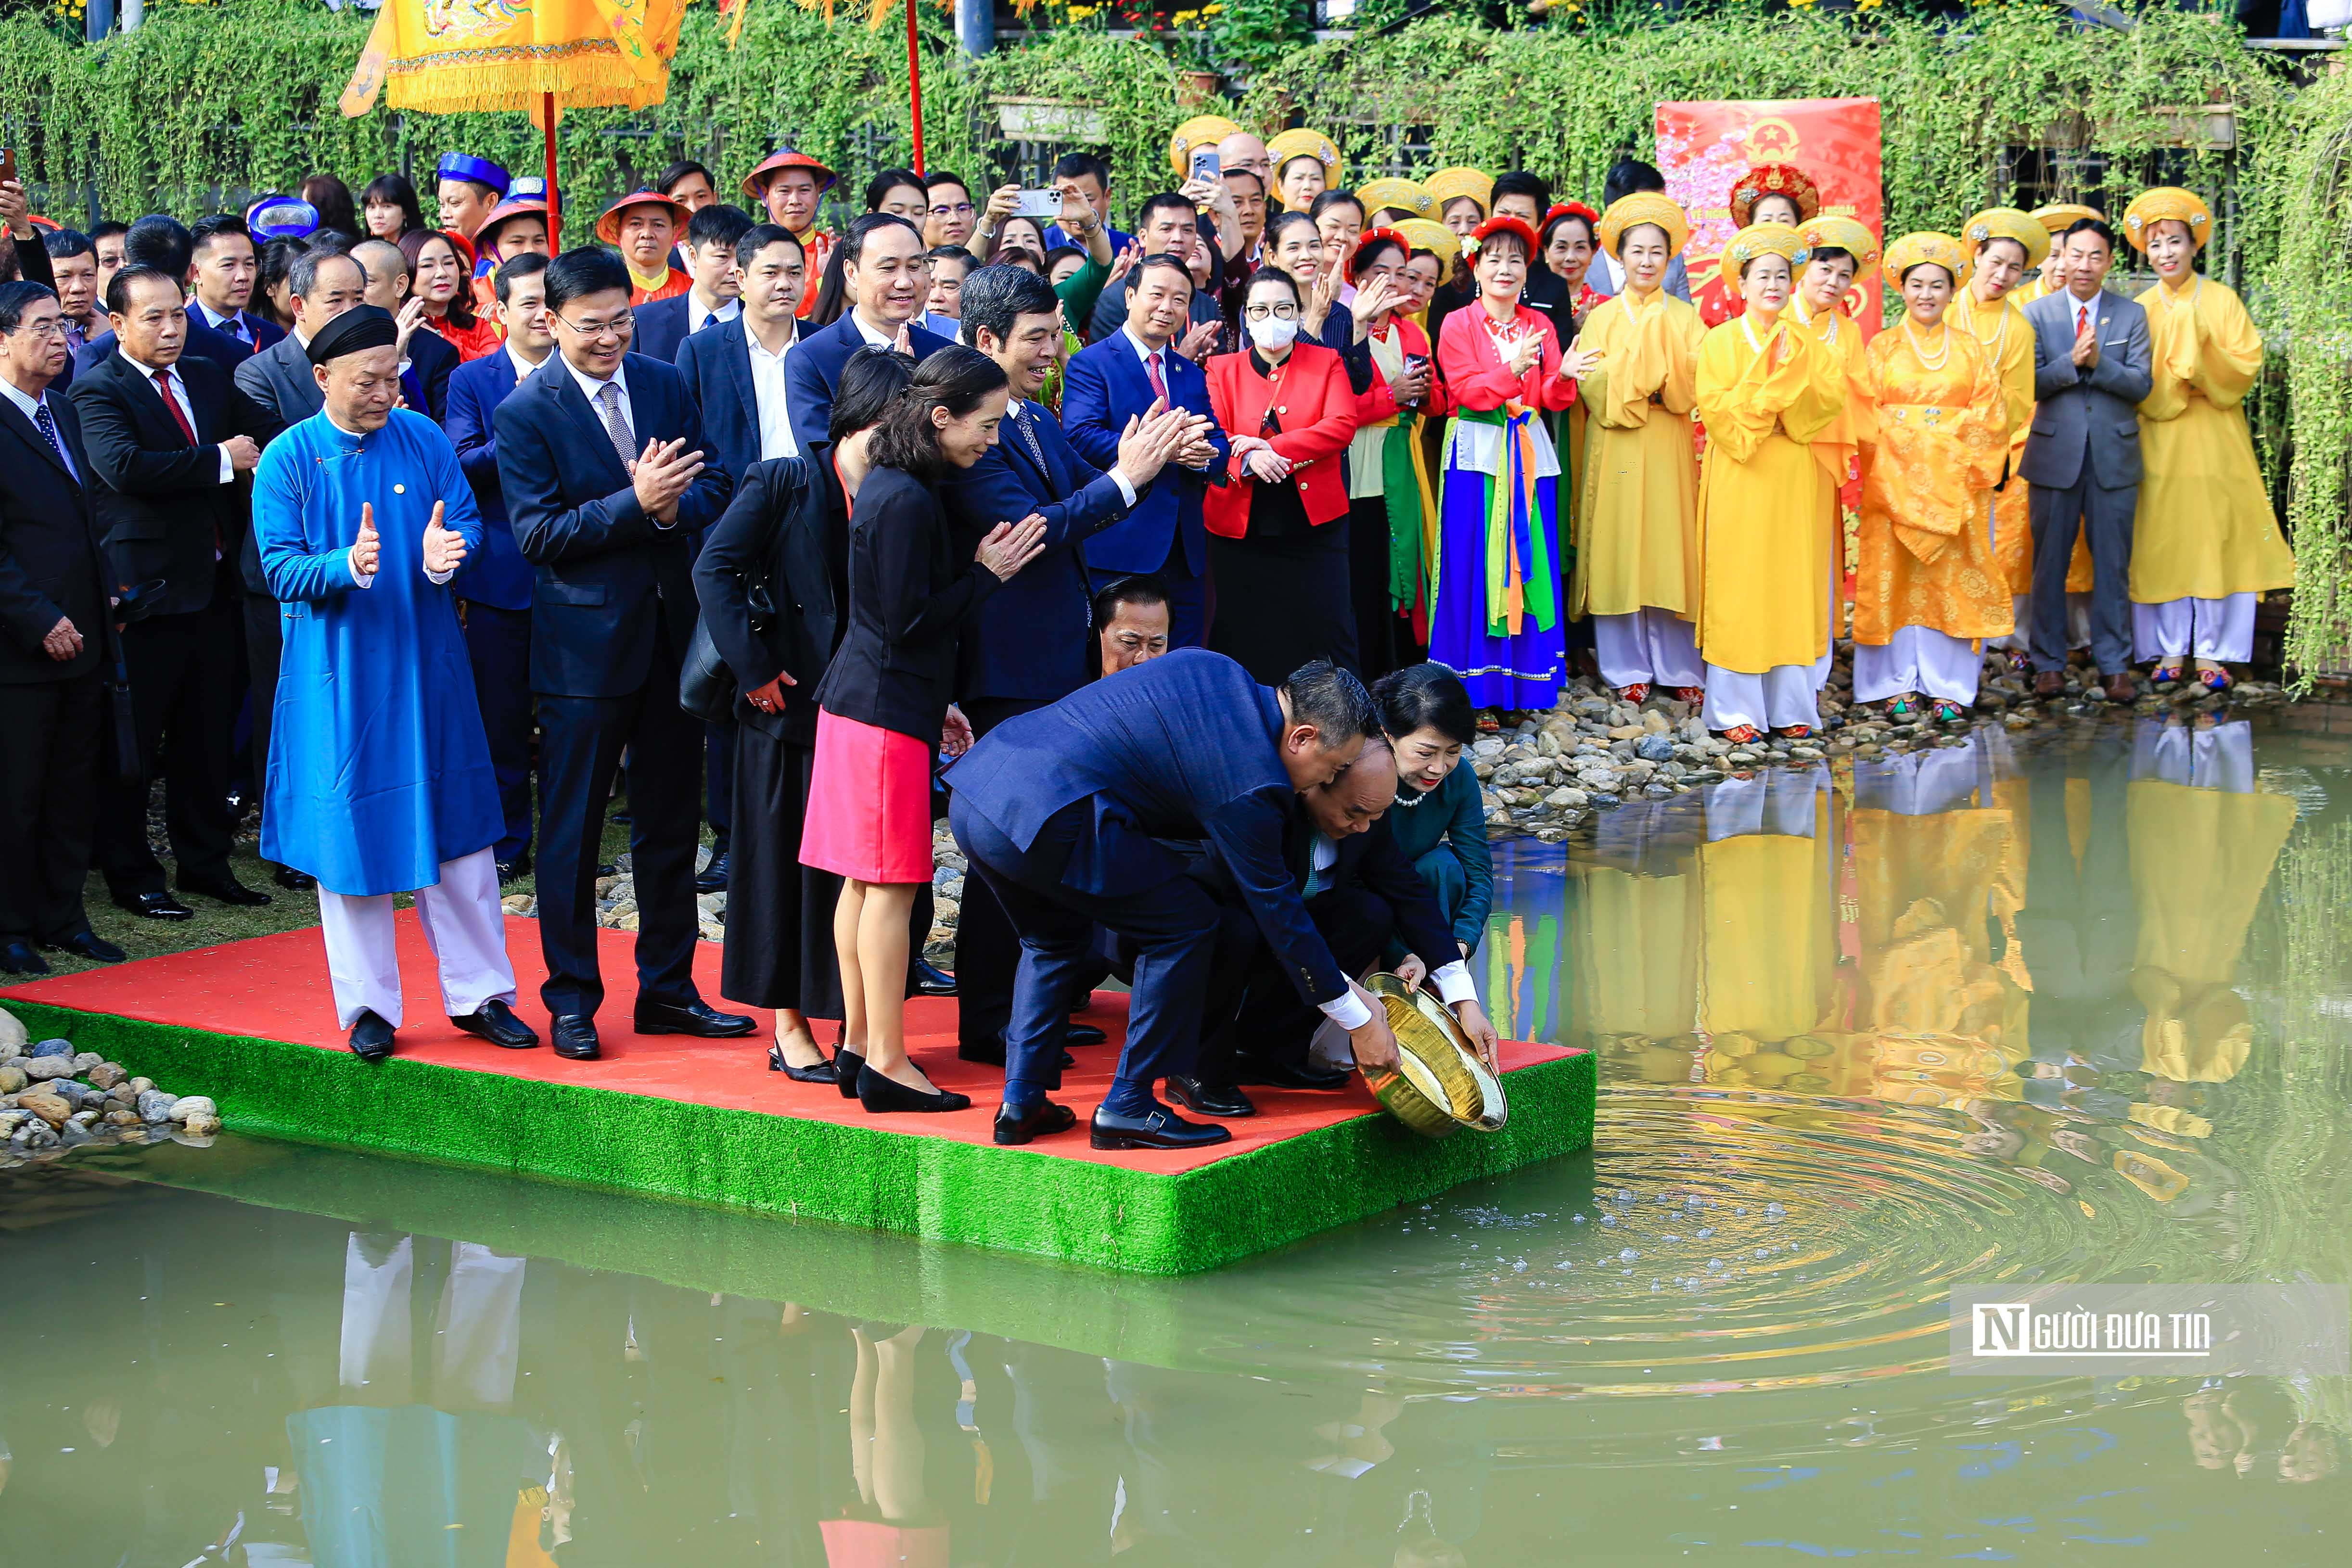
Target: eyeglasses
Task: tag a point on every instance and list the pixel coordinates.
(1283, 312)
(53, 327)
(594, 332)
(955, 210)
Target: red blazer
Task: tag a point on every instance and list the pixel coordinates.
(1476, 376)
(1319, 417)
(1380, 403)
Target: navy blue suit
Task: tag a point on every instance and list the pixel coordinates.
(662, 328)
(1062, 811)
(612, 614)
(717, 365)
(1103, 385)
(431, 362)
(814, 373)
(496, 586)
(263, 331)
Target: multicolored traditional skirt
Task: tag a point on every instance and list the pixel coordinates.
(1496, 617)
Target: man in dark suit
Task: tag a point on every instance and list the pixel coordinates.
(171, 445)
(428, 361)
(735, 371)
(1063, 812)
(602, 468)
(225, 268)
(1361, 892)
(891, 273)
(494, 587)
(166, 245)
(714, 296)
(281, 382)
(58, 645)
(1026, 647)
(2091, 369)
(1124, 375)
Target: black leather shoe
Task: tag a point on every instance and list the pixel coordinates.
(87, 945)
(1209, 1099)
(1283, 1075)
(846, 1065)
(155, 906)
(881, 1095)
(712, 878)
(821, 1073)
(496, 1022)
(371, 1037)
(18, 958)
(1158, 1128)
(1014, 1125)
(575, 1037)
(519, 866)
(925, 979)
(1083, 1034)
(228, 890)
(694, 1017)
(293, 881)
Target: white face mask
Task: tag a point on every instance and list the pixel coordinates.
(1272, 333)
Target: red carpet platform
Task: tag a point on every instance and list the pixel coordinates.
(253, 1024)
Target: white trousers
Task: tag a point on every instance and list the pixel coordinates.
(1919, 659)
(1649, 647)
(463, 925)
(2221, 758)
(1777, 800)
(1780, 696)
(2219, 630)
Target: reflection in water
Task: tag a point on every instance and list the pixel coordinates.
(1987, 1011)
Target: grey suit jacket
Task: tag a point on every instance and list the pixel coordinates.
(2092, 417)
(279, 378)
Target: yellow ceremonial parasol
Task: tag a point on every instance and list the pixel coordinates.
(450, 57)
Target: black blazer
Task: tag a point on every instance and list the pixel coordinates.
(908, 595)
(608, 577)
(50, 563)
(766, 591)
(161, 507)
(717, 365)
(1371, 861)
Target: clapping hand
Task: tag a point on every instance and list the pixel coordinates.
(2086, 345)
(1319, 300)
(1150, 440)
(1578, 361)
(1526, 349)
(660, 476)
(367, 549)
(444, 549)
(1124, 263)
(1371, 299)
(1009, 547)
(411, 317)
(1197, 342)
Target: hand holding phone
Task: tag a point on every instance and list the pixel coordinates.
(1206, 164)
(1046, 205)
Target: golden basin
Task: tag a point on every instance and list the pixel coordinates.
(1438, 1085)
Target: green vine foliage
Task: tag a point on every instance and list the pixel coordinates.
(211, 102)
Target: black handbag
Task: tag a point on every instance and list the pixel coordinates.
(706, 682)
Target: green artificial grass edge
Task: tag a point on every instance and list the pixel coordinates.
(1011, 1200)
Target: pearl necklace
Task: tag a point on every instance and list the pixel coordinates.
(1919, 353)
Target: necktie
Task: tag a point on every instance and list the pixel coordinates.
(2082, 318)
(617, 424)
(163, 385)
(47, 423)
(1151, 369)
(1021, 420)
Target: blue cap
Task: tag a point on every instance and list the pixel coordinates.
(528, 188)
(465, 166)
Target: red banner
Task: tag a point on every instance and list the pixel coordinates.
(1703, 149)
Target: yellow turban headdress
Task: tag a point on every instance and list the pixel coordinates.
(1644, 207)
(1841, 233)
(1451, 185)
(1760, 239)
(1396, 195)
(2168, 201)
(1202, 131)
(1428, 234)
(2006, 222)
(1925, 248)
(2062, 216)
(1306, 144)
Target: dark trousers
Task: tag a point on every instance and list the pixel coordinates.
(2106, 517)
(498, 644)
(988, 951)
(265, 641)
(1188, 600)
(49, 766)
(184, 696)
(1171, 928)
(581, 742)
(718, 771)
(1272, 1021)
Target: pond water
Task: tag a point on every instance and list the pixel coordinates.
(2064, 1005)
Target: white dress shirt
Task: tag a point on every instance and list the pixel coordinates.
(188, 409)
(773, 416)
(874, 338)
(352, 557)
(30, 406)
(522, 366)
(591, 389)
(697, 317)
(234, 325)
(1451, 978)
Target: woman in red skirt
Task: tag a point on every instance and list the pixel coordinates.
(884, 701)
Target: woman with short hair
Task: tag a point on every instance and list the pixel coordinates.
(1439, 819)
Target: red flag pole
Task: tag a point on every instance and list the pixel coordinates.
(915, 85)
(555, 220)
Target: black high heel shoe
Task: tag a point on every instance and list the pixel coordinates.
(819, 1073)
(846, 1065)
(881, 1095)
